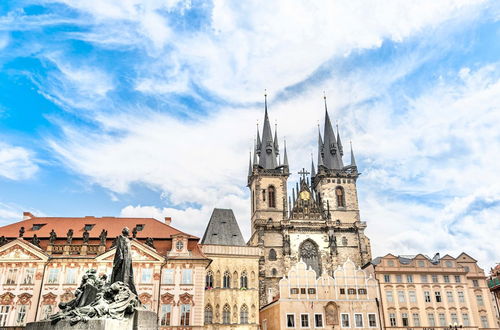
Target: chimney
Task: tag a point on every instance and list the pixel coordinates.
(27, 215)
(168, 220)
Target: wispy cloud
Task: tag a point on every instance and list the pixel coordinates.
(16, 163)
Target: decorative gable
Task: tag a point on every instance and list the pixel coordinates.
(18, 250)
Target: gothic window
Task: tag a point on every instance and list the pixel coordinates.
(244, 314)
(272, 197)
(226, 314)
(244, 280)
(235, 279)
(226, 280)
(209, 280)
(310, 256)
(272, 255)
(344, 241)
(208, 314)
(274, 272)
(340, 195)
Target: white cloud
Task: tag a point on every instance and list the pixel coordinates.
(16, 163)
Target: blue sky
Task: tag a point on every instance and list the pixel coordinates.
(148, 108)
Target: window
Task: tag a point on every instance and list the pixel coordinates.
(29, 274)
(438, 296)
(272, 255)
(244, 314)
(484, 321)
(457, 279)
(11, 276)
(185, 313)
(446, 278)
(168, 276)
(401, 296)
(351, 291)
(71, 275)
(226, 314)
(209, 280)
(358, 320)
(302, 290)
(272, 197)
(442, 319)
(448, 264)
(461, 296)
(387, 278)
(290, 320)
(404, 319)
(392, 319)
(412, 296)
(465, 319)
(409, 278)
(475, 283)
(244, 280)
(4, 313)
(179, 245)
(166, 313)
(274, 272)
(226, 280)
(466, 268)
(423, 278)
(318, 320)
(372, 320)
(416, 319)
(187, 276)
(454, 318)
(295, 291)
(311, 291)
(46, 311)
(139, 227)
(146, 275)
(362, 291)
(342, 291)
(209, 314)
(264, 195)
(53, 275)
(88, 227)
(304, 320)
(431, 319)
(421, 263)
(399, 278)
(339, 193)
(480, 300)
(449, 296)
(427, 296)
(345, 320)
(388, 295)
(21, 314)
(434, 278)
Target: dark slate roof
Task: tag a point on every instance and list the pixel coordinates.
(223, 229)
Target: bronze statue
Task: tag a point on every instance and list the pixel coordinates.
(53, 236)
(86, 236)
(69, 236)
(35, 240)
(149, 242)
(102, 236)
(122, 263)
(134, 232)
(3, 240)
(21, 232)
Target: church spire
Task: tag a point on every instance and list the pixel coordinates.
(320, 149)
(285, 156)
(267, 152)
(250, 167)
(331, 159)
(276, 144)
(257, 146)
(353, 160)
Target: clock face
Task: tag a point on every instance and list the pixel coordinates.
(305, 195)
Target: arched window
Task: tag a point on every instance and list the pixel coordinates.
(344, 241)
(244, 314)
(274, 272)
(272, 254)
(339, 193)
(209, 280)
(309, 254)
(235, 279)
(244, 280)
(226, 314)
(209, 314)
(226, 281)
(272, 197)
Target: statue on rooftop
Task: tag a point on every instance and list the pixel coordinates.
(134, 232)
(69, 236)
(149, 242)
(102, 236)
(53, 236)
(86, 236)
(3, 240)
(35, 240)
(21, 232)
(122, 264)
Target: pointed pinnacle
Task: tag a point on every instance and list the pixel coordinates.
(353, 160)
(285, 156)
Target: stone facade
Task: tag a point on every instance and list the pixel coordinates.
(424, 293)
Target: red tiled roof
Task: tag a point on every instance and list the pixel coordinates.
(152, 228)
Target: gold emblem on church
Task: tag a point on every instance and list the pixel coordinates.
(305, 195)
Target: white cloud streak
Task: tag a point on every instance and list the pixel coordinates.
(16, 163)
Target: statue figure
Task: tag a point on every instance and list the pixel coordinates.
(102, 236)
(69, 236)
(134, 232)
(35, 240)
(86, 236)
(149, 242)
(286, 244)
(53, 236)
(113, 244)
(3, 240)
(332, 242)
(21, 232)
(122, 263)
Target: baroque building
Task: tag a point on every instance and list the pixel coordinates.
(43, 259)
(318, 223)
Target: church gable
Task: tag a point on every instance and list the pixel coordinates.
(18, 250)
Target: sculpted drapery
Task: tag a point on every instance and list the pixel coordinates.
(122, 264)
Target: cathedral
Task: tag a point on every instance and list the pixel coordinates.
(318, 223)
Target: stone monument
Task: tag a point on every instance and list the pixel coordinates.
(104, 305)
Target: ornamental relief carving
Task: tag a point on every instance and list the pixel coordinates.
(185, 299)
(167, 298)
(7, 298)
(145, 298)
(49, 299)
(24, 299)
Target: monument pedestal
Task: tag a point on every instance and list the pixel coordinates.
(140, 320)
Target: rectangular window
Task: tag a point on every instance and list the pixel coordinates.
(457, 279)
(21, 314)
(53, 276)
(4, 314)
(475, 283)
(416, 319)
(166, 313)
(146, 275)
(362, 291)
(401, 296)
(304, 320)
(187, 276)
(392, 319)
(358, 320)
(168, 276)
(465, 319)
(438, 296)
(480, 300)
(311, 291)
(71, 275)
(351, 291)
(454, 318)
(404, 319)
(372, 320)
(290, 320)
(446, 278)
(431, 319)
(412, 296)
(434, 278)
(345, 320)
(409, 278)
(461, 296)
(388, 295)
(11, 276)
(442, 319)
(484, 321)
(342, 291)
(423, 278)
(185, 314)
(302, 290)
(29, 275)
(449, 296)
(399, 278)
(387, 278)
(427, 296)
(318, 320)
(295, 291)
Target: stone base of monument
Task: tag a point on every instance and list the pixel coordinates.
(140, 320)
